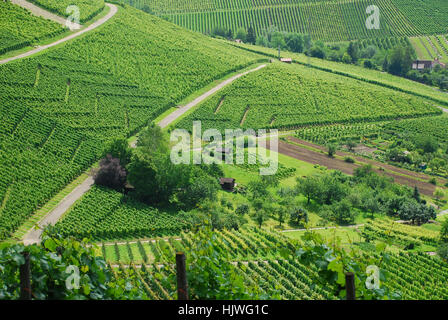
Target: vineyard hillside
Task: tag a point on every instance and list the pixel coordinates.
(106, 84)
(19, 28)
(325, 20)
(287, 96)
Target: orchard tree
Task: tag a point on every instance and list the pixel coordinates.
(251, 37)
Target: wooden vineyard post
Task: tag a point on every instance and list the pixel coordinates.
(182, 285)
(25, 278)
(350, 286)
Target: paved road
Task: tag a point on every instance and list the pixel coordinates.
(33, 236)
(176, 114)
(110, 14)
(38, 11)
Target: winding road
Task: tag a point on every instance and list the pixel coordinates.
(38, 11)
(96, 24)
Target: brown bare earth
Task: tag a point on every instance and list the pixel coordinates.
(315, 157)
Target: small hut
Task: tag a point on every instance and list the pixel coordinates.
(227, 184)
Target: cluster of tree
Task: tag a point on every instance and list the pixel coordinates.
(412, 150)
(245, 35)
(150, 171)
(295, 42)
(342, 197)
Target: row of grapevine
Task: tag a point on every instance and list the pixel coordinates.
(19, 28)
(428, 16)
(381, 79)
(38, 157)
(424, 126)
(399, 233)
(105, 214)
(273, 274)
(323, 20)
(417, 276)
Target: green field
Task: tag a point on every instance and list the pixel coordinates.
(19, 28)
(283, 96)
(323, 20)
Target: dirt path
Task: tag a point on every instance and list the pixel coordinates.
(176, 114)
(315, 157)
(38, 11)
(367, 161)
(96, 24)
(33, 236)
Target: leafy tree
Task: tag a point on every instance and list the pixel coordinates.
(416, 212)
(298, 214)
(416, 195)
(242, 209)
(342, 212)
(219, 31)
(155, 177)
(251, 37)
(331, 190)
(444, 231)
(119, 148)
(110, 174)
(241, 34)
(331, 150)
(258, 190)
(229, 34)
(317, 52)
(261, 216)
(439, 194)
(200, 187)
(442, 251)
(294, 42)
(153, 140)
(400, 61)
(353, 51)
(147, 9)
(310, 187)
(278, 40)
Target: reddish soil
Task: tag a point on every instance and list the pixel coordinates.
(315, 157)
(369, 161)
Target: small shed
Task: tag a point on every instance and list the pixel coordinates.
(422, 64)
(286, 60)
(227, 184)
(423, 166)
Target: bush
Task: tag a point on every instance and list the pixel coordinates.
(111, 174)
(349, 160)
(442, 251)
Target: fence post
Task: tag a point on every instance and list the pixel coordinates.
(25, 278)
(182, 285)
(350, 286)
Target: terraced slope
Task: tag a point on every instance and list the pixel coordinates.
(106, 84)
(19, 28)
(326, 20)
(287, 96)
